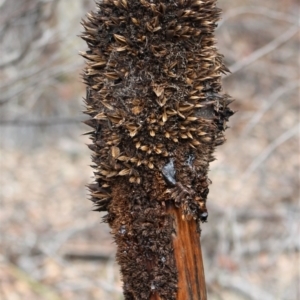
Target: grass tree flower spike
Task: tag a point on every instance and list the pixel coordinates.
(153, 77)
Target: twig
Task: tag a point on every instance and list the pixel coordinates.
(254, 56)
(278, 70)
(18, 57)
(63, 69)
(231, 213)
(273, 14)
(45, 122)
(269, 103)
(267, 152)
(88, 284)
(2, 2)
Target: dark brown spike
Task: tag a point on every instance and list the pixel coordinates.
(90, 122)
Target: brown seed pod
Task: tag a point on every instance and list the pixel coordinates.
(153, 79)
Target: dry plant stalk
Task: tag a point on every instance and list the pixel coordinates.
(153, 79)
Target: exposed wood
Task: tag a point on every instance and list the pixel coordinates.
(188, 256)
(155, 296)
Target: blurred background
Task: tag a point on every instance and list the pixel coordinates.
(52, 246)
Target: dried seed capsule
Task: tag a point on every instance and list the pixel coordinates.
(154, 99)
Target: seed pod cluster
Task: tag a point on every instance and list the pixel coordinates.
(153, 77)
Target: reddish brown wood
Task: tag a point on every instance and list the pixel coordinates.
(155, 296)
(188, 256)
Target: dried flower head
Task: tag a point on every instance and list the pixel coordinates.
(153, 79)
